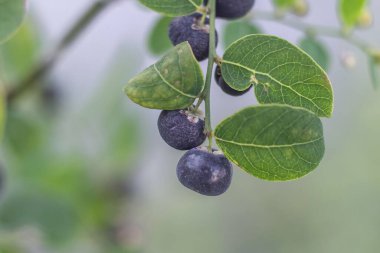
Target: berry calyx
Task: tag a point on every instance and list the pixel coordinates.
(181, 129)
(208, 173)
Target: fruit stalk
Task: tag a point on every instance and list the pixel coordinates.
(212, 53)
(47, 63)
(318, 30)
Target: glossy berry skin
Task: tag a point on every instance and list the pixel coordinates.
(232, 9)
(225, 87)
(181, 129)
(207, 173)
(189, 28)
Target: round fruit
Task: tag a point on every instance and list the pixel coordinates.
(225, 87)
(205, 172)
(191, 29)
(231, 9)
(181, 129)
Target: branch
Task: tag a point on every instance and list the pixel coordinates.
(314, 29)
(48, 62)
(212, 54)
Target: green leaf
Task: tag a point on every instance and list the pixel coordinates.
(235, 30)
(282, 73)
(350, 11)
(284, 3)
(297, 7)
(173, 8)
(24, 134)
(272, 142)
(158, 41)
(174, 82)
(11, 16)
(19, 54)
(374, 70)
(316, 50)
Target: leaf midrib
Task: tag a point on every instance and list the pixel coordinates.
(170, 85)
(269, 146)
(195, 5)
(277, 81)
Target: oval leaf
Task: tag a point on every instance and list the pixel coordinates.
(11, 16)
(317, 51)
(235, 30)
(172, 83)
(272, 142)
(282, 73)
(350, 11)
(158, 41)
(173, 8)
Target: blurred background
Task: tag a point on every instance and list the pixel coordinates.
(85, 170)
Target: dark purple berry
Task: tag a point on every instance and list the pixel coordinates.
(181, 129)
(204, 172)
(190, 28)
(224, 86)
(231, 9)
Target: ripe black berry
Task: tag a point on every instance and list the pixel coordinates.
(231, 9)
(181, 129)
(204, 172)
(225, 87)
(190, 28)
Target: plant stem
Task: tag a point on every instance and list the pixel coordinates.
(212, 53)
(316, 30)
(196, 107)
(48, 62)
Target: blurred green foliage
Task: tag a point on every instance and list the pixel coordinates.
(157, 43)
(237, 29)
(350, 11)
(317, 50)
(54, 188)
(18, 55)
(11, 16)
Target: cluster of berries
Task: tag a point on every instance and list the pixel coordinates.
(207, 172)
(195, 30)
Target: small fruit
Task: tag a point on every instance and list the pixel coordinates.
(224, 86)
(191, 29)
(181, 129)
(204, 172)
(231, 9)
